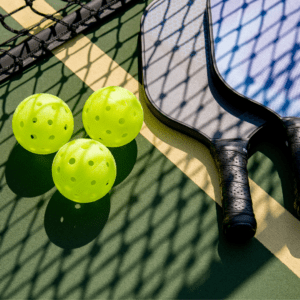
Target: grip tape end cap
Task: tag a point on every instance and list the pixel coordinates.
(240, 229)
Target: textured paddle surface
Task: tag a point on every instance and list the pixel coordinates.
(175, 71)
(257, 53)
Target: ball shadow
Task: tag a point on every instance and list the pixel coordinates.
(28, 174)
(125, 158)
(72, 225)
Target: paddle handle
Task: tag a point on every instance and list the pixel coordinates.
(293, 138)
(231, 158)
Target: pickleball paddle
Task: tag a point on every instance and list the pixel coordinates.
(180, 95)
(255, 49)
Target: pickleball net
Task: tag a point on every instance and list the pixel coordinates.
(21, 47)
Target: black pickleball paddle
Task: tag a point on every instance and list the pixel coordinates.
(256, 54)
(179, 94)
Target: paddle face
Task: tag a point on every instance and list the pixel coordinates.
(175, 73)
(257, 50)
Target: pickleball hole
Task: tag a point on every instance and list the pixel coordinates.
(34, 120)
(107, 182)
(91, 163)
(122, 121)
(93, 182)
(66, 127)
(33, 136)
(72, 161)
(54, 107)
(58, 169)
(108, 131)
(87, 110)
(134, 113)
(39, 104)
(108, 108)
(100, 149)
(107, 164)
(50, 122)
(97, 118)
(85, 147)
(77, 206)
(22, 124)
(73, 179)
(66, 111)
(124, 135)
(51, 137)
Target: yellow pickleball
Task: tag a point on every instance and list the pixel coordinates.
(84, 170)
(113, 116)
(42, 123)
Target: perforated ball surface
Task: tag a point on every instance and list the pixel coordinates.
(42, 123)
(84, 170)
(113, 116)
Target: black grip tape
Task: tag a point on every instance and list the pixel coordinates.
(293, 138)
(238, 217)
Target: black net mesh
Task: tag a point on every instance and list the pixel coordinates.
(20, 47)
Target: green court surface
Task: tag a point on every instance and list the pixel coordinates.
(157, 235)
